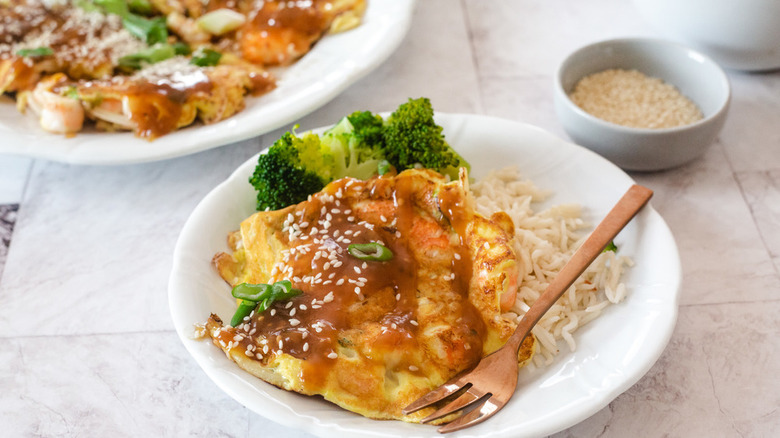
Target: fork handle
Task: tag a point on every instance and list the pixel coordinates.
(626, 208)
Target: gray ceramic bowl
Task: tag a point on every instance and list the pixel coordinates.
(694, 74)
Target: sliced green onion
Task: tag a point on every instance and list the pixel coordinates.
(370, 251)
(259, 297)
(221, 21)
(38, 51)
(152, 55)
(71, 92)
(383, 167)
(181, 49)
(205, 58)
(87, 5)
(610, 247)
(283, 290)
(151, 30)
(140, 6)
(118, 7)
(252, 292)
(245, 308)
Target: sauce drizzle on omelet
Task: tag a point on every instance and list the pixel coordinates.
(382, 294)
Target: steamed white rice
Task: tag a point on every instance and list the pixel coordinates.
(544, 242)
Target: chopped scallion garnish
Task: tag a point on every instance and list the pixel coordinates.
(38, 51)
(152, 55)
(205, 58)
(259, 297)
(370, 251)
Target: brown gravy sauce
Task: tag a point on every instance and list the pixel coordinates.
(314, 335)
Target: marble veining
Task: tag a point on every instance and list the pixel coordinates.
(86, 342)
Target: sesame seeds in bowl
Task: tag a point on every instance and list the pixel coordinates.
(644, 104)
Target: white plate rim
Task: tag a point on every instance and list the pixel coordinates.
(283, 407)
(346, 57)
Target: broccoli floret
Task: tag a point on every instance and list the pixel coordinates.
(367, 127)
(293, 168)
(358, 146)
(298, 166)
(412, 139)
(352, 156)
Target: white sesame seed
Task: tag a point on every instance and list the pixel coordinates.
(413, 322)
(356, 269)
(398, 297)
(332, 355)
(302, 307)
(329, 297)
(306, 346)
(304, 334)
(288, 305)
(315, 306)
(292, 312)
(281, 344)
(294, 322)
(273, 312)
(413, 368)
(357, 290)
(486, 245)
(365, 265)
(394, 326)
(397, 234)
(265, 349)
(457, 256)
(249, 353)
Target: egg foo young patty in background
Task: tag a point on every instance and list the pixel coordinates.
(631, 98)
(153, 66)
(372, 335)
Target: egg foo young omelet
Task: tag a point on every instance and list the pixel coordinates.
(153, 66)
(373, 335)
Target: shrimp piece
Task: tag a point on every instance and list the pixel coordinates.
(273, 46)
(57, 113)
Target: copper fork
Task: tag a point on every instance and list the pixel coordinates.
(484, 390)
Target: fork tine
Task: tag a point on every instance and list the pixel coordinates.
(476, 416)
(464, 400)
(434, 396)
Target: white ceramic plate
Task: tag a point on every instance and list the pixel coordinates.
(613, 352)
(333, 64)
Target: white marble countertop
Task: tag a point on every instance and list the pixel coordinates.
(87, 346)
